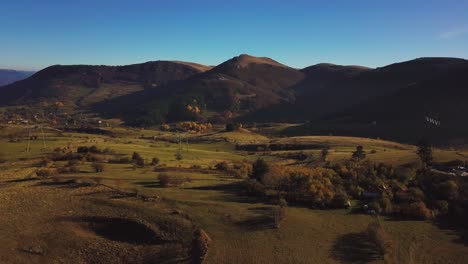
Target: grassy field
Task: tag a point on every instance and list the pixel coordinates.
(241, 229)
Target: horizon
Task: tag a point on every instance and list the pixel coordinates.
(298, 34)
(134, 63)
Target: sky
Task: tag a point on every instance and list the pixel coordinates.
(36, 34)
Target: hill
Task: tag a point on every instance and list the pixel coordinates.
(11, 76)
(238, 86)
(82, 85)
(423, 98)
(333, 89)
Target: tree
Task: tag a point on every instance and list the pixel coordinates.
(98, 167)
(259, 169)
(359, 154)
(425, 153)
(155, 161)
(178, 155)
(325, 152)
(136, 156)
(222, 166)
(232, 127)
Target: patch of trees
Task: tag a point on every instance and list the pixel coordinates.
(404, 191)
(166, 180)
(193, 127)
(233, 126)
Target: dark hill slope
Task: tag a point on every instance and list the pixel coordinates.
(412, 112)
(240, 85)
(82, 85)
(326, 91)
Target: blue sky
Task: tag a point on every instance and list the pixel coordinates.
(36, 34)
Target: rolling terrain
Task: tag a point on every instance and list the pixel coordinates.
(85, 216)
(402, 101)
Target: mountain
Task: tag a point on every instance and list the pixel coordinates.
(423, 98)
(79, 86)
(240, 85)
(11, 76)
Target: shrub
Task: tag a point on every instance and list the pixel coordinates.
(172, 180)
(254, 187)
(98, 167)
(45, 172)
(359, 154)
(222, 166)
(419, 211)
(242, 170)
(140, 162)
(82, 149)
(324, 153)
(259, 169)
(178, 155)
(233, 127)
(94, 149)
(340, 200)
(136, 156)
(155, 161)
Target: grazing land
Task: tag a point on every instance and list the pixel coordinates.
(123, 213)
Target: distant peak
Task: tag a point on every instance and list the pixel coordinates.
(245, 59)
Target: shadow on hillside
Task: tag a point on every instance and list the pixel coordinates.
(458, 227)
(23, 180)
(64, 184)
(149, 184)
(117, 229)
(354, 248)
(263, 220)
(230, 192)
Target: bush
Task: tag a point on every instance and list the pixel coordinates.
(136, 156)
(359, 154)
(155, 161)
(140, 162)
(45, 172)
(174, 180)
(419, 211)
(259, 169)
(233, 127)
(82, 149)
(179, 156)
(222, 166)
(242, 170)
(98, 167)
(254, 187)
(340, 200)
